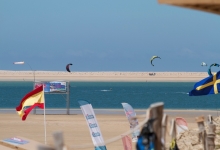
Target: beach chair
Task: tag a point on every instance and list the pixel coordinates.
(22, 143)
(2, 147)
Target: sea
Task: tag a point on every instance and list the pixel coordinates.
(110, 95)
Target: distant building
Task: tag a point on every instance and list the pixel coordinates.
(152, 74)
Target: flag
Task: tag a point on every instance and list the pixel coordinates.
(181, 125)
(130, 114)
(92, 123)
(31, 100)
(126, 140)
(209, 85)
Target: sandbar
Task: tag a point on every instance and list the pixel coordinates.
(6, 75)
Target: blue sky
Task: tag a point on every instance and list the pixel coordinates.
(98, 35)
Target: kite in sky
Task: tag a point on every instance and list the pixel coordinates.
(203, 64)
(68, 67)
(151, 61)
(209, 70)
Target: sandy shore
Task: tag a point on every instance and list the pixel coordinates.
(75, 129)
(113, 123)
(102, 76)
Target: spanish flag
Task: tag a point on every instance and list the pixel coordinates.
(33, 99)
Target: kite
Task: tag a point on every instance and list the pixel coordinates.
(209, 70)
(18, 63)
(153, 59)
(203, 64)
(68, 67)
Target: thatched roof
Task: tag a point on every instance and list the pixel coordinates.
(212, 6)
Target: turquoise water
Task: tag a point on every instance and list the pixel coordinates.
(138, 94)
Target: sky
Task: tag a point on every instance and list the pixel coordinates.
(99, 35)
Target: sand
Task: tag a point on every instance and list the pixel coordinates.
(6, 75)
(74, 126)
(75, 129)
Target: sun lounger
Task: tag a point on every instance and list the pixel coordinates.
(20, 143)
(2, 147)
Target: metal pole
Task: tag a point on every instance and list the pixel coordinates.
(35, 109)
(32, 71)
(34, 112)
(21, 63)
(68, 99)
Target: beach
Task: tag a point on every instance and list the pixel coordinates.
(113, 122)
(6, 75)
(75, 130)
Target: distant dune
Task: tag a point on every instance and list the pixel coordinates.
(102, 76)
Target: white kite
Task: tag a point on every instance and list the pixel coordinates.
(19, 63)
(203, 64)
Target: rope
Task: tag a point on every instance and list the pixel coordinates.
(111, 140)
(89, 145)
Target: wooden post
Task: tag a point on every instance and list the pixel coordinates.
(156, 111)
(202, 134)
(164, 126)
(58, 141)
(173, 129)
(148, 114)
(210, 140)
(210, 119)
(44, 148)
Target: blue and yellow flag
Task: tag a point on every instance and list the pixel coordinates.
(209, 85)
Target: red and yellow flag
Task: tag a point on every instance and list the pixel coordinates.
(32, 99)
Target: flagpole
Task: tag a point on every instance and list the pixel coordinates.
(45, 130)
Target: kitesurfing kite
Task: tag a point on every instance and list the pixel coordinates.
(203, 64)
(153, 59)
(18, 63)
(209, 70)
(68, 67)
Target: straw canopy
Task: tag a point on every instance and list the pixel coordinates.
(212, 6)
